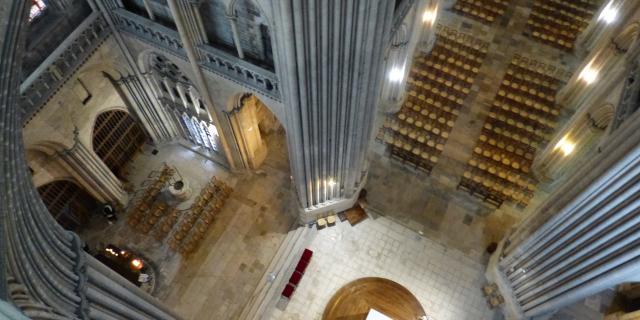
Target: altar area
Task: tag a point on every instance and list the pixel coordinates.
(373, 299)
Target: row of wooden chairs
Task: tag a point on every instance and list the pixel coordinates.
(167, 224)
(537, 78)
(521, 119)
(145, 199)
(426, 106)
(192, 228)
(559, 22)
(486, 11)
(438, 84)
(156, 213)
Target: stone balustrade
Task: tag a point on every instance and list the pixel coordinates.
(232, 68)
(45, 81)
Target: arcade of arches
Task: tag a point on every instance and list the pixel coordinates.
(252, 159)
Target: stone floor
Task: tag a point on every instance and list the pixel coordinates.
(446, 281)
(431, 203)
(218, 279)
(429, 237)
(433, 207)
(215, 281)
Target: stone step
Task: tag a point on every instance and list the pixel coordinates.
(267, 292)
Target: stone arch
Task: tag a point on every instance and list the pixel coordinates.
(111, 68)
(252, 122)
(68, 202)
(116, 137)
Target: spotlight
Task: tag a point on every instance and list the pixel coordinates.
(429, 16)
(396, 74)
(565, 146)
(136, 264)
(609, 13)
(589, 74)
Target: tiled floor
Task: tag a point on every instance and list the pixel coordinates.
(445, 281)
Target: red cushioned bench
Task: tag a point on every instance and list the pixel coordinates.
(295, 278)
(307, 254)
(302, 266)
(288, 291)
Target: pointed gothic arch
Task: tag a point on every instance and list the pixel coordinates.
(116, 138)
(68, 203)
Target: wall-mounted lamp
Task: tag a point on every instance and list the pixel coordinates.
(565, 145)
(609, 13)
(589, 74)
(396, 74)
(430, 15)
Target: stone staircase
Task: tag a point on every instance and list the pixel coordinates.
(267, 293)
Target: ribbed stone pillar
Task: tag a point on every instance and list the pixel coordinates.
(613, 68)
(330, 66)
(153, 118)
(135, 85)
(90, 170)
(44, 258)
(583, 239)
(191, 36)
(598, 28)
(415, 28)
(609, 64)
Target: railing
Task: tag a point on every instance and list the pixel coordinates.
(240, 71)
(149, 31)
(54, 71)
(219, 62)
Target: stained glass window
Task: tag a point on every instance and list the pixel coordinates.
(37, 8)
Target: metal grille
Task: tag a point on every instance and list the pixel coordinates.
(67, 203)
(116, 138)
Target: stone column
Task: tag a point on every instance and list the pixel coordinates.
(589, 38)
(234, 32)
(152, 116)
(149, 109)
(582, 239)
(400, 52)
(36, 251)
(330, 65)
(200, 80)
(147, 6)
(608, 62)
(90, 171)
(599, 92)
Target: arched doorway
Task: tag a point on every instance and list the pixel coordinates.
(69, 204)
(116, 139)
(257, 131)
